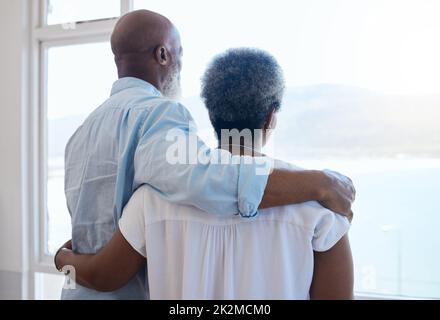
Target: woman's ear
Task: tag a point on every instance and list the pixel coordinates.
(271, 121)
(269, 125)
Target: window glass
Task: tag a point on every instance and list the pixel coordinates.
(363, 97)
(65, 11)
(79, 80)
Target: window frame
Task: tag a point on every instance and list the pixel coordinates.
(42, 38)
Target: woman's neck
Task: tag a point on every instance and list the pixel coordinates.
(253, 149)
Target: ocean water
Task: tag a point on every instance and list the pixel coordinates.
(395, 235)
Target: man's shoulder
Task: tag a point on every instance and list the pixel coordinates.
(153, 106)
(139, 99)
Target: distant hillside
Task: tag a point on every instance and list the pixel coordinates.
(330, 120)
(356, 122)
(336, 120)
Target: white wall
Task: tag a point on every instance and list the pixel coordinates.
(13, 92)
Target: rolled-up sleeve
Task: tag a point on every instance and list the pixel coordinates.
(329, 229)
(172, 159)
(252, 181)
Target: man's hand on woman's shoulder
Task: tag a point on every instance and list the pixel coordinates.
(338, 193)
(289, 184)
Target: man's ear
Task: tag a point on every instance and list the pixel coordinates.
(162, 55)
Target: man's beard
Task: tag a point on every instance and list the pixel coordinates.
(172, 88)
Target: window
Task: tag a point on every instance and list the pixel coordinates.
(66, 11)
(73, 70)
(78, 80)
(48, 286)
(362, 98)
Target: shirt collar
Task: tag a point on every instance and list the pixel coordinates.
(130, 82)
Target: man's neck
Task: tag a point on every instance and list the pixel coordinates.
(141, 74)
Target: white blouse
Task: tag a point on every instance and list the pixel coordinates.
(192, 254)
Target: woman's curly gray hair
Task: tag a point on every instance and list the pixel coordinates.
(241, 87)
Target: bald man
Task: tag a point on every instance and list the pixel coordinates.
(123, 144)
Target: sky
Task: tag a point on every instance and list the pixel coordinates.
(388, 46)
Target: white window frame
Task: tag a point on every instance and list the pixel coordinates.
(45, 36)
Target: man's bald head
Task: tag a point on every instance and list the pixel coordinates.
(139, 31)
(146, 45)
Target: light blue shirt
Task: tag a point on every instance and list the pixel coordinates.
(126, 143)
